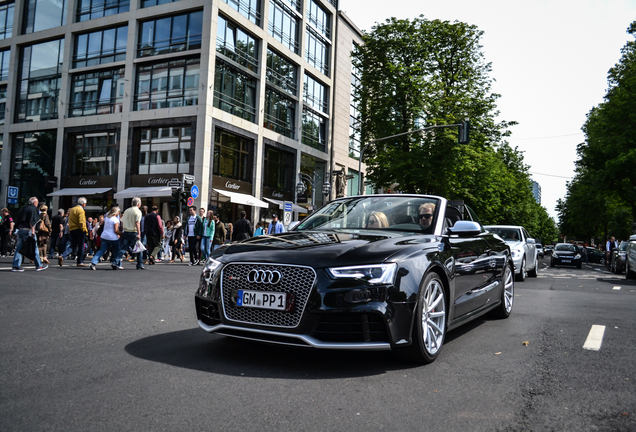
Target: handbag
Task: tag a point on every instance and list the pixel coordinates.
(139, 247)
(28, 248)
(100, 230)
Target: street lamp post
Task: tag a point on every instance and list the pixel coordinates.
(313, 180)
(463, 139)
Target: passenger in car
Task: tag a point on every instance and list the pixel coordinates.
(377, 220)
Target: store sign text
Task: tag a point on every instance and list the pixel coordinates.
(231, 185)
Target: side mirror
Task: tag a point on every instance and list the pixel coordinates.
(530, 241)
(465, 229)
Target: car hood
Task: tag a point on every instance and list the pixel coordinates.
(514, 244)
(324, 248)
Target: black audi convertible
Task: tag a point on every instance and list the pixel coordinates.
(366, 272)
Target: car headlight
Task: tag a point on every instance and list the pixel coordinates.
(211, 265)
(517, 253)
(379, 274)
(577, 256)
(555, 255)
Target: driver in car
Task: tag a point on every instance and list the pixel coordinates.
(426, 212)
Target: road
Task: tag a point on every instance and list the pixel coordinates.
(86, 350)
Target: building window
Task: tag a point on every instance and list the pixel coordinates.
(314, 130)
(167, 84)
(248, 8)
(91, 9)
(97, 93)
(165, 150)
(93, 154)
(354, 116)
(6, 20)
(100, 47)
(280, 112)
(235, 44)
(232, 156)
(281, 73)
(234, 91)
(315, 94)
(316, 51)
(170, 34)
(44, 14)
(279, 169)
(32, 159)
(40, 81)
(5, 57)
(283, 25)
(149, 3)
(319, 19)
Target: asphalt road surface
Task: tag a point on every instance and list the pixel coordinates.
(107, 350)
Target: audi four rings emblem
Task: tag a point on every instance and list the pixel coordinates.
(264, 277)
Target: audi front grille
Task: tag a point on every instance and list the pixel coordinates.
(296, 280)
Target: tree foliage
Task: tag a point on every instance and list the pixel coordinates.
(429, 72)
(606, 169)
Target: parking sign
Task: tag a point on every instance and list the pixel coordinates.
(12, 194)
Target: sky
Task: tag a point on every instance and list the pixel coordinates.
(550, 61)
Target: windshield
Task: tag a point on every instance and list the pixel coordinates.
(623, 246)
(508, 234)
(565, 247)
(376, 212)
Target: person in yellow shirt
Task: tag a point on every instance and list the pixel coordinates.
(77, 232)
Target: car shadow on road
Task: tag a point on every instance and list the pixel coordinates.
(197, 350)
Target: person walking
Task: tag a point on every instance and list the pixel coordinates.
(259, 230)
(242, 228)
(6, 229)
(275, 226)
(154, 232)
(219, 233)
(57, 231)
(109, 239)
(208, 234)
(167, 237)
(230, 232)
(77, 231)
(176, 240)
(131, 222)
(194, 232)
(43, 232)
(26, 222)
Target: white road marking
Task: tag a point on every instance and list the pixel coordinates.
(616, 288)
(594, 338)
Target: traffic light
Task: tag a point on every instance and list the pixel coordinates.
(464, 132)
(183, 197)
(175, 198)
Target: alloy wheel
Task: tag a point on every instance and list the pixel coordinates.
(433, 317)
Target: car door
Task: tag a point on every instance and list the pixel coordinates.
(531, 255)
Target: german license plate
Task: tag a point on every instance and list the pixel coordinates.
(262, 299)
(566, 261)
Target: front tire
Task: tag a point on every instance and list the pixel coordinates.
(535, 271)
(507, 295)
(429, 327)
(522, 273)
(628, 273)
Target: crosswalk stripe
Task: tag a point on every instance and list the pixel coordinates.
(594, 338)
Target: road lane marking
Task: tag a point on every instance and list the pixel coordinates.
(594, 338)
(616, 288)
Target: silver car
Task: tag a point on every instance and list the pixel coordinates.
(630, 258)
(523, 247)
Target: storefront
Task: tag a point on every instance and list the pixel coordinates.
(228, 198)
(98, 191)
(153, 190)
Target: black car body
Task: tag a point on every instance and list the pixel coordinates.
(619, 257)
(565, 254)
(335, 282)
(595, 256)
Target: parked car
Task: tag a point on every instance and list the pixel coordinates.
(595, 256)
(630, 258)
(524, 251)
(566, 254)
(540, 250)
(618, 258)
(548, 249)
(365, 272)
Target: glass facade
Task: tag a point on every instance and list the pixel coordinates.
(280, 113)
(100, 47)
(170, 34)
(32, 159)
(250, 9)
(317, 51)
(99, 92)
(279, 169)
(234, 91)
(319, 19)
(314, 130)
(6, 20)
(281, 73)
(91, 9)
(354, 117)
(5, 56)
(232, 156)
(167, 84)
(315, 94)
(44, 14)
(165, 150)
(283, 25)
(93, 153)
(235, 44)
(149, 3)
(40, 81)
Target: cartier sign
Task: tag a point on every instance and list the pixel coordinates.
(232, 185)
(278, 194)
(88, 181)
(150, 180)
(158, 180)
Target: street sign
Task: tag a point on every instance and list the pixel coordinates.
(194, 191)
(188, 178)
(12, 194)
(190, 202)
(174, 184)
(287, 213)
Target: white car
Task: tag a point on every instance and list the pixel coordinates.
(522, 246)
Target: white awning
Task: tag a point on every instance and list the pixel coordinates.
(143, 192)
(281, 205)
(239, 198)
(79, 191)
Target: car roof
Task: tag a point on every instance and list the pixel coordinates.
(503, 226)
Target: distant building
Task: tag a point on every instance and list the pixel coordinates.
(536, 191)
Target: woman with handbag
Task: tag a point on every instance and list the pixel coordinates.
(43, 233)
(109, 237)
